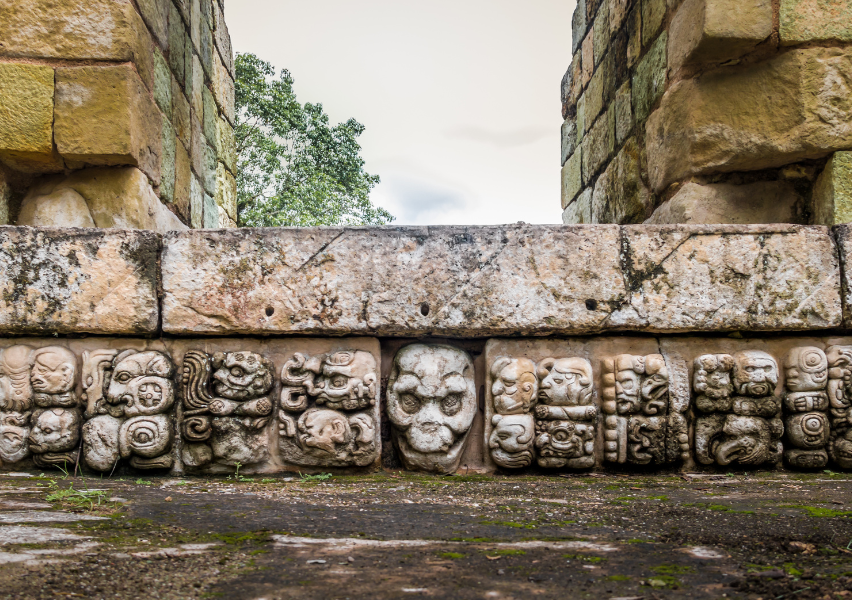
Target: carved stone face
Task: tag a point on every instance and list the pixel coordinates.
(241, 375)
(628, 384)
(565, 382)
(755, 373)
(142, 382)
(515, 385)
(344, 375)
(55, 430)
(511, 440)
(14, 431)
(15, 388)
(806, 369)
(325, 430)
(655, 385)
(841, 451)
(54, 370)
(432, 402)
(745, 440)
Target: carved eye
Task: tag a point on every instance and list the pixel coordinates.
(451, 404)
(123, 377)
(558, 380)
(409, 403)
(47, 430)
(237, 372)
(503, 435)
(339, 381)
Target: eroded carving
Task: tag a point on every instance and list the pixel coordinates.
(329, 415)
(738, 415)
(805, 405)
(55, 434)
(840, 405)
(431, 404)
(16, 403)
(129, 400)
(642, 425)
(226, 408)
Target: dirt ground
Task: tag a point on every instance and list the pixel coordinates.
(398, 535)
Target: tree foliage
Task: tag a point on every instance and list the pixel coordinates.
(294, 167)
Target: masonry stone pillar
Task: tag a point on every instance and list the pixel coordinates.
(116, 114)
(708, 111)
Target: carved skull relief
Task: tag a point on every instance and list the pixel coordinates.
(431, 404)
(129, 401)
(738, 422)
(226, 408)
(329, 415)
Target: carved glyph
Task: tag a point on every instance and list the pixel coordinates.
(130, 398)
(55, 423)
(543, 412)
(840, 405)
(16, 403)
(431, 405)
(329, 414)
(643, 423)
(805, 404)
(738, 418)
(226, 408)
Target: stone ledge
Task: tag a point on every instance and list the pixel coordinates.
(501, 280)
(78, 281)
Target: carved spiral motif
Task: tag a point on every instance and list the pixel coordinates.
(814, 424)
(146, 436)
(197, 428)
(813, 361)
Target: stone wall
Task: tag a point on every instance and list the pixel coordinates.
(708, 111)
(514, 348)
(116, 113)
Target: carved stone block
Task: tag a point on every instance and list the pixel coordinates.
(840, 405)
(431, 404)
(55, 423)
(226, 407)
(543, 412)
(130, 396)
(329, 414)
(642, 426)
(805, 405)
(738, 416)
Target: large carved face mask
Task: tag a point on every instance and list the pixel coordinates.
(241, 375)
(755, 373)
(432, 403)
(142, 382)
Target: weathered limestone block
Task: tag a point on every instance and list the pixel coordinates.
(843, 234)
(111, 198)
(431, 403)
(392, 281)
(815, 21)
(621, 195)
(762, 202)
(329, 413)
(572, 177)
(792, 107)
(714, 31)
(5, 198)
(832, 193)
(26, 117)
(739, 417)
(130, 397)
(105, 116)
(722, 278)
(579, 212)
(73, 281)
(109, 30)
(649, 80)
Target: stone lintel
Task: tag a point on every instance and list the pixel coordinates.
(501, 280)
(98, 281)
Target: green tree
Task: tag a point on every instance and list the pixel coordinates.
(294, 167)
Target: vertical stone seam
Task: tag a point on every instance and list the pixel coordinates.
(837, 235)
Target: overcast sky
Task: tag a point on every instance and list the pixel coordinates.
(460, 98)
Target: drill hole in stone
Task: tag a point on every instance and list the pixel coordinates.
(592, 304)
(269, 311)
(424, 309)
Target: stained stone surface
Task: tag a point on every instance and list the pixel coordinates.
(481, 281)
(390, 281)
(843, 233)
(78, 281)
